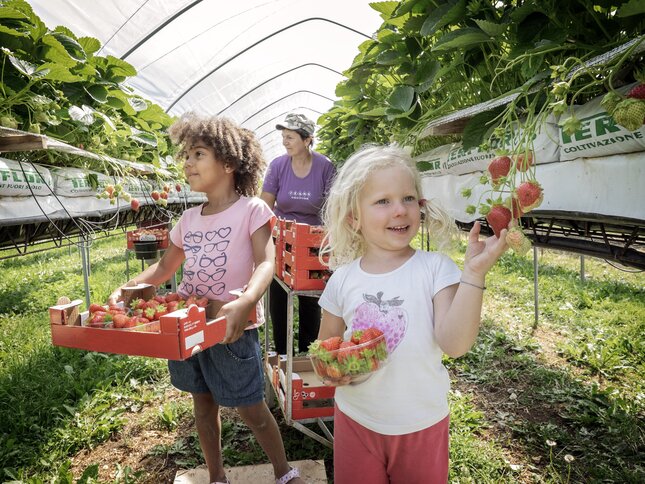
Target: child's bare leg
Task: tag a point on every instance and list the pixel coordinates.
(209, 429)
(260, 420)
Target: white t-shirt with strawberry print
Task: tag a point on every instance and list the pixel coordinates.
(410, 393)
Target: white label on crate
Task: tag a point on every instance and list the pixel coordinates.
(194, 339)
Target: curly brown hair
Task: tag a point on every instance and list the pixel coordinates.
(231, 143)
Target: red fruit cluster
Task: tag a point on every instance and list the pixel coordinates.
(498, 218)
(140, 312)
(498, 169)
(334, 359)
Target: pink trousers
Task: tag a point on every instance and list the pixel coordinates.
(364, 456)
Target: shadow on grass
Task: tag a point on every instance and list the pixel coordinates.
(532, 403)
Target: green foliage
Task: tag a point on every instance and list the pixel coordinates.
(53, 83)
(428, 59)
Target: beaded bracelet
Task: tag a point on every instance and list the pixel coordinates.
(483, 288)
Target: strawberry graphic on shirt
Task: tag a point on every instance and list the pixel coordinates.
(386, 315)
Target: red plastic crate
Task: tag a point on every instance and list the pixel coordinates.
(309, 397)
(305, 279)
(301, 257)
(176, 336)
(278, 239)
(303, 235)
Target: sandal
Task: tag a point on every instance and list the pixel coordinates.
(292, 474)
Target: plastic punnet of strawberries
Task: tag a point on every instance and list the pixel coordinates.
(338, 362)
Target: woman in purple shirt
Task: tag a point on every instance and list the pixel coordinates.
(295, 187)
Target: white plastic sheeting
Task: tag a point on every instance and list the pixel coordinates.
(250, 60)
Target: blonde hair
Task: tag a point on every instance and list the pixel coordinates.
(231, 144)
(343, 242)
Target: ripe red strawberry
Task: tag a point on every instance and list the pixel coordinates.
(524, 161)
(164, 195)
(637, 92)
(498, 168)
(134, 204)
(121, 320)
(331, 344)
(346, 350)
(95, 308)
(370, 335)
(155, 195)
(178, 187)
(529, 195)
(498, 218)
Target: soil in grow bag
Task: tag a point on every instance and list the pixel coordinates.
(145, 250)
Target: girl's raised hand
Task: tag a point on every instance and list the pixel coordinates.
(481, 255)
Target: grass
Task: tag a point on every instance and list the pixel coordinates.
(563, 401)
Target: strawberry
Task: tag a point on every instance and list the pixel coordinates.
(202, 302)
(610, 101)
(370, 335)
(517, 241)
(109, 190)
(529, 195)
(637, 92)
(514, 205)
(630, 113)
(155, 195)
(166, 188)
(134, 204)
(164, 195)
(331, 344)
(137, 320)
(138, 304)
(499, 168)
(172, 296)
(345, 351)
(95, 308)
(161, 310)
(160, 299)
(121, 320)
(356, 336)
(178, 187)
(334, 372)
(149, 313)
(498, 218)
(524, 161)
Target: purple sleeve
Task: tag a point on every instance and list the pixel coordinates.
(272, 178)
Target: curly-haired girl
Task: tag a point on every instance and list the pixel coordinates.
(225, 244)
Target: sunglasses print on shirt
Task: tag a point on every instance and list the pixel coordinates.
(202, 290)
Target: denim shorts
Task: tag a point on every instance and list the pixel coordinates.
(232, 373)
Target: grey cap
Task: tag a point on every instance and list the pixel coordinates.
(297, 122)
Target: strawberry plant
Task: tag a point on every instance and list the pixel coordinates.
(55, 83)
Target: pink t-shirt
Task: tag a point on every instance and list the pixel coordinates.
(218, 249)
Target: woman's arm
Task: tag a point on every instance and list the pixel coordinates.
(269, 198)
(237, 311)
(157, 273)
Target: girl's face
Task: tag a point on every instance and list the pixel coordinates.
(203, 171)
(389, 211)
(293, 143)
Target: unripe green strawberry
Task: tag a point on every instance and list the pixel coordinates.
(610, 101)
(8, 122)
(630, 113)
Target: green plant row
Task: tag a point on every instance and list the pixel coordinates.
(433, 57)
(55, 83)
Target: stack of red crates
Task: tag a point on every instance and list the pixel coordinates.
(302, 270)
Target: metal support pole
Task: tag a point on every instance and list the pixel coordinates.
(535, 286)
(289, 390)
(582, 268)
(86, 269)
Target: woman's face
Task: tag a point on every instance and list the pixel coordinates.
(293, 143)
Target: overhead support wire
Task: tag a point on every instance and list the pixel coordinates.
(170, 19)
(284, 97)
(206, 76)
(275, 77)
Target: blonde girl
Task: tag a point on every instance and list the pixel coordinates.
(394, 426)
